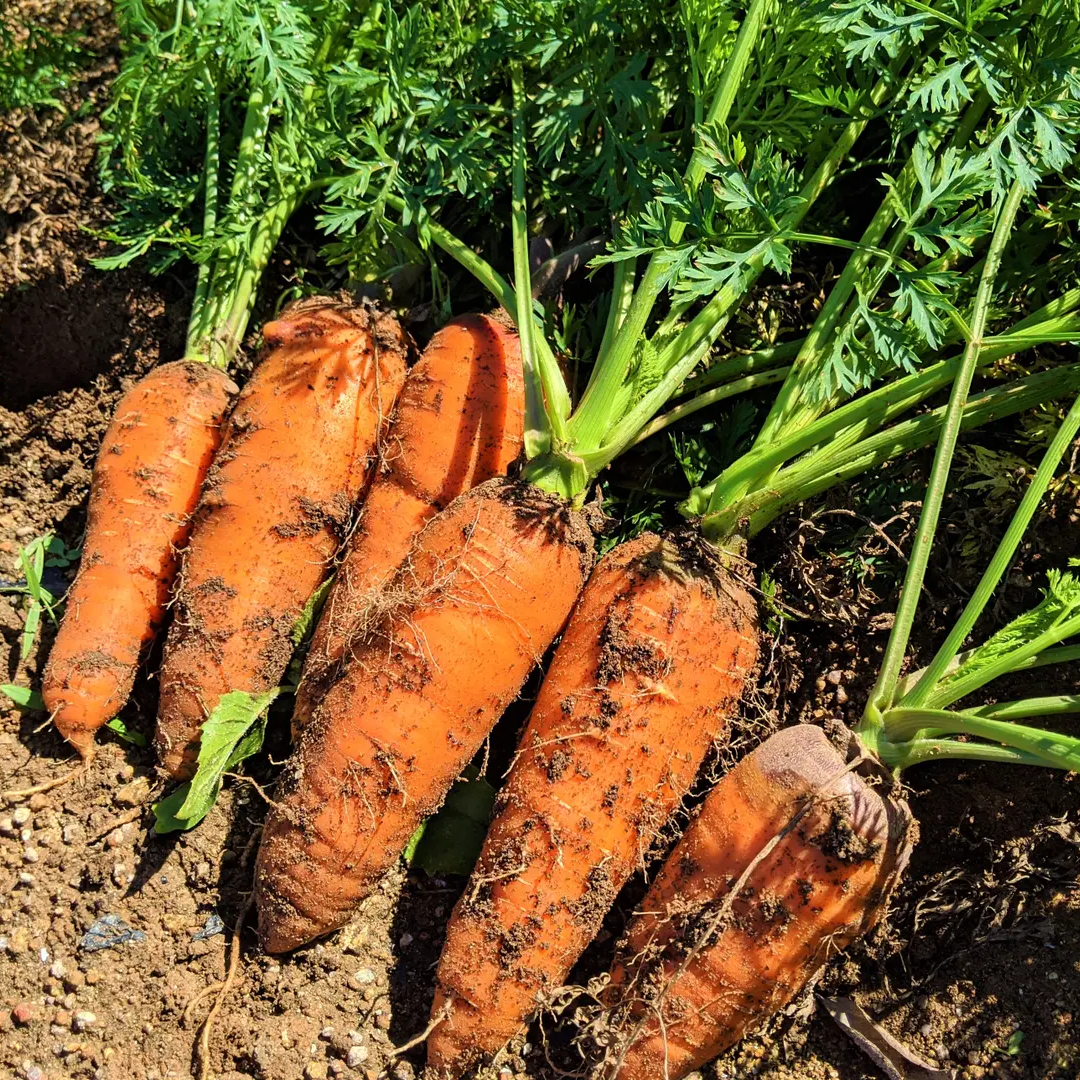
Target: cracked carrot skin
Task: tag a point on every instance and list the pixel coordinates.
(825, 882)
(487, 586)
(146, 482)
(458, 422)
(297, 453)
(644, 681)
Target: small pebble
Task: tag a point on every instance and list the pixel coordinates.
(30, 855)
(382, 1021)
(58, 970)
(21, 816)
(403, 1070)
(38, 801)
(31, 1072)
(75, 981)
(93, 977)
(23, 1013)
(43, 955)
(83, 1020)
(327, 1033)
(316, 1070)
(926, 1029)
(406, 940)
(355, 1037)
(7, 827)
(356, 1056)
(63, 1018)
(365, 976)
(26, 878)
(834, 677)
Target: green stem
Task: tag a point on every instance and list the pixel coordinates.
(541, 422)
(918, 751)
(593, 417)
(740, 364)
(1058, 705)
(798, 482)
(622, 294)
(711, 397)
(903, 724)
(211, 170)
(896, 648)
(1001, 561)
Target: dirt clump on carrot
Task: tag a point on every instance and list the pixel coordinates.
(493, 578)
(458, 422)
(297, 453)
(146, 482)
(642, 684)
(793, 855)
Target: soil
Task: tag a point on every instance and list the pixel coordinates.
(977, 967)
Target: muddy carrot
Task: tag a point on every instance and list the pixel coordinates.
(297, 451)
(145, 484)
(493, 579)
(458, 422)
(792, 856)
(644, 680)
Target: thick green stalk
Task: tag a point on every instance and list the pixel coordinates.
(593, 417)
(711, 397)
(740, 364)
(800, 482)
(211, 170)
(885, 687)
(901, 725)
(1058, 705)
(1001, 561)
(543, 421)
(622, 294)
(901, 756)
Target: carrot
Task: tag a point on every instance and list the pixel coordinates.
(458, 422)
(488, 584)
(644, 680)
(792, 856)
(146, 482)
(297, 451)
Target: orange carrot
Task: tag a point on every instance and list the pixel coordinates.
(488, 584)
(297, 451)
(146, 482)
(792, 857)
(644, 680)
(458, 422)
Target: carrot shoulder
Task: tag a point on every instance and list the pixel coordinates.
(792, 857)
(297, 451)
(146, 482)
(458, 422)
(488, 584)
(643, 682)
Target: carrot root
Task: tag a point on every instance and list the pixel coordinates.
(793, 855)
(297, 452)
(146, 482)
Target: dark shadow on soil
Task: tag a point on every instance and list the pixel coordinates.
(60, 334)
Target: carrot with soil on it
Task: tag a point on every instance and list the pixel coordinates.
(145, 484)
(297, 452)
(792, 855)
(611, 748)
(458, 422)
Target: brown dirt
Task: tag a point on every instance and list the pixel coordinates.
(983, 942)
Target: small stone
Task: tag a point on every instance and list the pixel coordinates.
(83, 1020)
(21, 816)
(38, 802)
(30, 854)
(356, 1056)
(316, 1070)
(119, 873)
(93, 977)
(63, 1018)
(31, 1071)
(26, 878)
(382, 1021)
(834, 677)
(406, 940)
(43, 955)
(133, 794)
(75, 981)
(23, 1013)
(57, 970)
(354, 1037)
(841, 696)
(7, 826)
(403, 1070)
(115, 839)
(327, 1033)
(926, 1029)
(71, 834)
